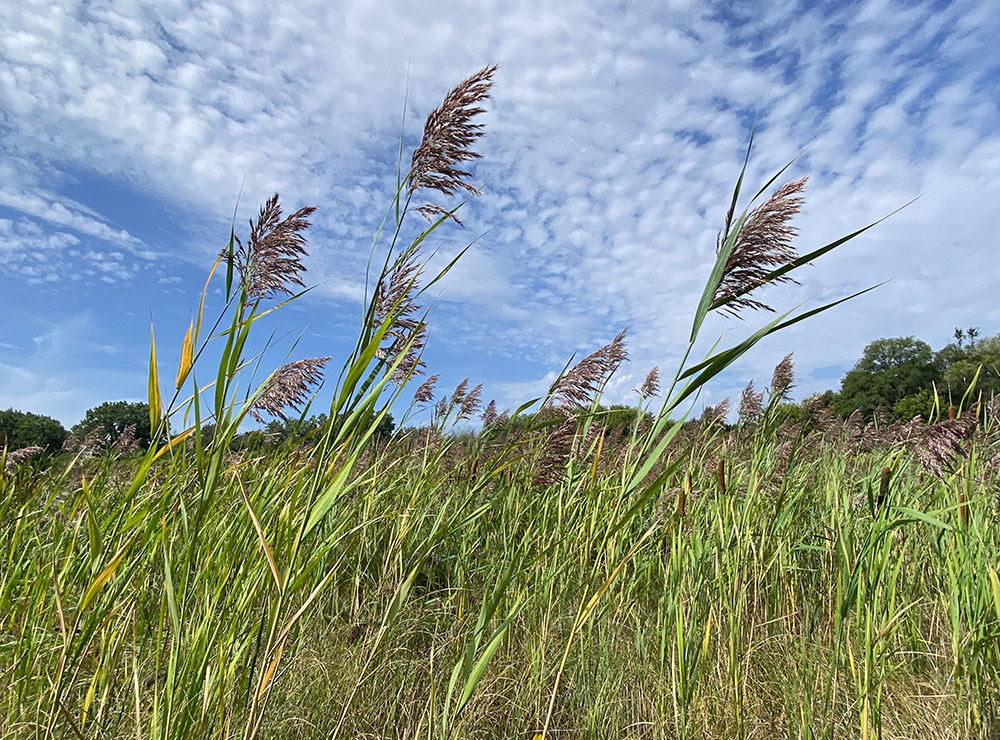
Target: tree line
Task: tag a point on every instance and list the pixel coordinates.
(900, 376)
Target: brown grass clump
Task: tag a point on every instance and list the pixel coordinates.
(16, 458)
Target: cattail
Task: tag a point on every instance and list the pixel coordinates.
(271, 259)
(751, 405)
(425, 393)
(783, 379)
(651, 385)
(470, 403)
(578, 387)
(883, 485)
(449, 133)
(490, 414)
(720, 475)
(19, 457)
(764, 244)
(683, 495)
(951, 412)
(288, 387)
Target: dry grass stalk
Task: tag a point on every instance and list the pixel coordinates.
(578, 387)
(17, 458)
(763, 245)
(289, 387)
(449, 133)
(271, 260)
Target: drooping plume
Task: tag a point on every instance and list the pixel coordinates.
(271, 259)
(289, 387)
(394, 303)
(470, 404)
(449, 134)
(425, 393)
(581, 383)
(764, 244)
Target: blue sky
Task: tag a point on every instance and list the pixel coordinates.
(128, 129)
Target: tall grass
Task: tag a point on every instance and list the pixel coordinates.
(544, 577)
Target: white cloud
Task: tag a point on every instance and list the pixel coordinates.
(613, 142)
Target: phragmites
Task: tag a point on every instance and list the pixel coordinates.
(750, 406)
(19, 457)
(716, 414)
(288, 387)
(578, 386)
(271, 259)
(449, 134)
(405, 335)
(651, 385)
(549, 468)
(459, 394)
(490, 414)
(942, 446)
(425, 393)
(470, 403)
(126, 441)
(763, 244)
(783, 379)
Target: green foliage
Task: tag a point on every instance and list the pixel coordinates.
(889, 371)
(920, 403)
(112, 418)
(24, 429)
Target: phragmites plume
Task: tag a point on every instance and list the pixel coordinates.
(288, 387)
(271, 259)
(470, 403)
(16, 458)
(783, 379)
(550, 467)
(763, 244)
(425, 393)
(716, 414)
(126, 441)
(490, 414)
(651, 385)
(751, 405)
(459, 394)
(943, 445)
(581, 383)
(406, 334)
(449, 134)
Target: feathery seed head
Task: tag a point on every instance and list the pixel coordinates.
(751, 405)
(579, 386)
(783, 379)
(288, 387)
(764, 244)
(449, 134)
(425, 393)
(651, 385)
(271, 259)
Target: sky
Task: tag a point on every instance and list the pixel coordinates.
(130, 132)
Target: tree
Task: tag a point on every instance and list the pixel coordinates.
(20, 429)
(982, 358)
(889, 371)
(114, 417)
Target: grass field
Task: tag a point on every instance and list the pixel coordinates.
(549, 576)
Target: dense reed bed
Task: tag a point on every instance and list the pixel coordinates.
(548, 576)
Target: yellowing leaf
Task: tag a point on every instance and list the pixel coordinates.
(154, 385)
(265, 680)
(102, 578)
(173, 441)
(187, 352)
